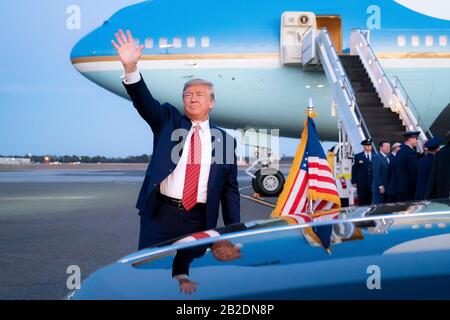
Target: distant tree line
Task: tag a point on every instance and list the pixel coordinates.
(82, 159)
(287, 159)
(283, 159)
(101, 159)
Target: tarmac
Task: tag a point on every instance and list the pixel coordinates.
(53, 217)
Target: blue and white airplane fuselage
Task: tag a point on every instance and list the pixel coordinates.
(236, 45)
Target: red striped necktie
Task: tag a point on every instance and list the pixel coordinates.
(192, 175)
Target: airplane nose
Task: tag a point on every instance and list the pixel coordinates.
(94, 42)
(83, 51)
(95, 51)
(91, 47)
(96, 59)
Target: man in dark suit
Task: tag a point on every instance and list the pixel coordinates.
(380, 167)
(406, 167)
(391, 195)
(424, 165)
(193, 167)
(362, 173)
(439, 184)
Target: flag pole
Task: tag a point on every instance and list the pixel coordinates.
(311, 210)
(311, 114)
(310, 109)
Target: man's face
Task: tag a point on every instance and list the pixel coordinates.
(385, 148)
(197, 102)
(225, 251)
(395, 149)
(368, 148)
(413, 141)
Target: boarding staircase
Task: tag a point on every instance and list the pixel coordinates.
(368, 103)
(382, 123)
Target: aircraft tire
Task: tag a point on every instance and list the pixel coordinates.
(268, 185)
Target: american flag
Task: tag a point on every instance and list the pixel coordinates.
(310, 182)
(199, 236)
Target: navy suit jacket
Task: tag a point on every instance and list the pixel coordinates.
(380, 170)
(392, 183)
(362, 170)
(405, 172)
(164, 120)
(439, 184)
(424, 165)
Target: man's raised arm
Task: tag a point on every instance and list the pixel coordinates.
(149, 108)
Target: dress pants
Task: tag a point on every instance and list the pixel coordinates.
(168, 223)
(405, 197)
(364, 196)
(391, 198)
(378, 198)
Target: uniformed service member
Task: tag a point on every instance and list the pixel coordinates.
(362, 173)
(424, 165)
(405, 173)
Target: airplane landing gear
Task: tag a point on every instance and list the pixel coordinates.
(268, 184)
(266, 181)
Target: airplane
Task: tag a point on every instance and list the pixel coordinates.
(241, 47)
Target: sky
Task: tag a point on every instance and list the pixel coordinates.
(46, 106)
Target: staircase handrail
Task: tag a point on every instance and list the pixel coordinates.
(401, 92)
(390, 97)
(343, 93)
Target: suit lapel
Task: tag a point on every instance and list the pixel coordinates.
(385, 159)
(212, 175)
(213, 168)
(187, 125)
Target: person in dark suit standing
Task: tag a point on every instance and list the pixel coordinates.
(380, 167)
(424, 165)
(405, 171)
(390, 190)
(193, 166)
(439, 184)
(362, 173)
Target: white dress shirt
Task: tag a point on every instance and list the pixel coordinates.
(172, 186)
(130, 78)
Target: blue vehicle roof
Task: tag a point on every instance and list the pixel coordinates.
(409, 243)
